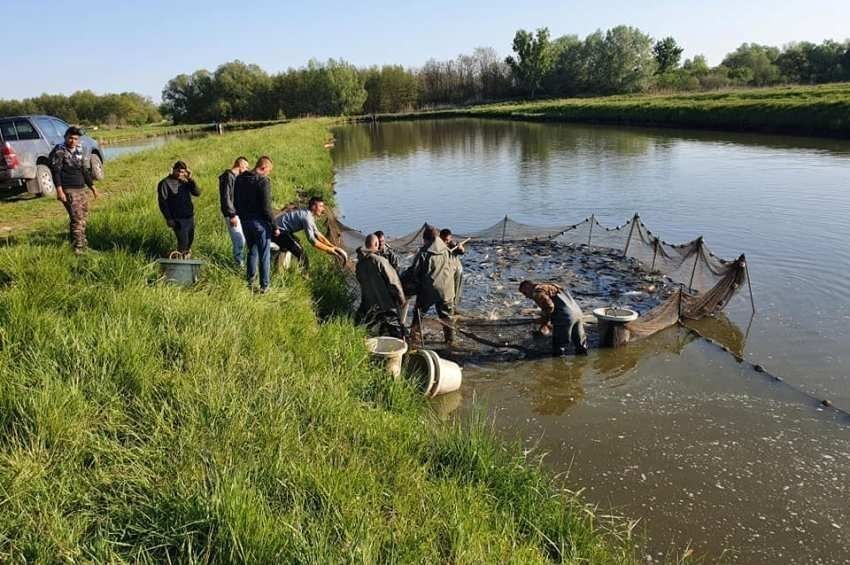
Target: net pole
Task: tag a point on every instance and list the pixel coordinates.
(654, 254)
(749, 283)
(504, 227)
(590, 233)
(631, 231)
(697, 257)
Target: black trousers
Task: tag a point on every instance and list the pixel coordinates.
(287, 242)
(184, 229)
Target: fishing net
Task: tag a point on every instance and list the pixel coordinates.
(693, 282)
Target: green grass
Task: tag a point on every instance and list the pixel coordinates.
(141, 422)
(810, 110)
(130, 133)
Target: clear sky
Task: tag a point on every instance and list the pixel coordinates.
(117, 45)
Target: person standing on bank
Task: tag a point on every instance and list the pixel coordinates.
(252, 199)
(174, 194)
(293, 221)
(226, 183)
(71, 177)
(455, 251)
(561, 315)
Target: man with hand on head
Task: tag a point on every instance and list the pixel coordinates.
(174, 195)
(293, 221)
(226, 184)
(71, 177)
(252, 199)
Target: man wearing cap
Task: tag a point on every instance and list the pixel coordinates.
(174, 195)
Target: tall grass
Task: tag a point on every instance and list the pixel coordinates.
(143, 422)
(810, 110)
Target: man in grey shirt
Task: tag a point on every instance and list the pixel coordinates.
(293, 221)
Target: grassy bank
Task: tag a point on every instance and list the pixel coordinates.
(807, 110)
(140, 422)
(123, 134)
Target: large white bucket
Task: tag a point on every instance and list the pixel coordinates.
(434, 376)
(389, 351)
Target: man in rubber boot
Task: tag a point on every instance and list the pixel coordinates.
(432, 276)
(226, 185)
(304, 219)
(174, 195)
(71, 177)
(562, 316)
(381, 295)
(455, 250)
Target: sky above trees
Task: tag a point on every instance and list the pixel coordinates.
(121, 46)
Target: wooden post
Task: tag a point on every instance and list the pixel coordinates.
(696, 262)
(590, 234)
(504, 227)
(749, 283)
(654, 253)
(635, 219)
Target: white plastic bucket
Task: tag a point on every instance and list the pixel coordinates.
(434, 376)
(388, 351)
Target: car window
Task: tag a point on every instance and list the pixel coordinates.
(25, 130)
(61, 127)
(47, 128)
(7, 130)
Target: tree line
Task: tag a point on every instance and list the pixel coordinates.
(86, 107)
(621, 60)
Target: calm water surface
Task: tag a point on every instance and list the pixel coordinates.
(672, 430)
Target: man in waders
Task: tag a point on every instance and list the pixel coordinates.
(226, 184)
(71, 177)
(431, 277)
(385, 251)
(304, 219)
(381, 294)
(174, 195)
(561, 315)
(455, 251)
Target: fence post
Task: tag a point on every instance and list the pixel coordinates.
(655, 244)
(696, 262)
(635, 220)
(590, 233)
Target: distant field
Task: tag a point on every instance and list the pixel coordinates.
(810, 110)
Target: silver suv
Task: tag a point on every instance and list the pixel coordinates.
(26, 142)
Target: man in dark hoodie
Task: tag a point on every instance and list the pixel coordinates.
(226, 184)
(252, 199)
(174, 194)
(432, 275)
(381, 295)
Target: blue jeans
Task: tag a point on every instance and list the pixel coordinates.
(258, 235)
(237, 238)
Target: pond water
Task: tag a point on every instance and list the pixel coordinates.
(672, 430)
(117, 149)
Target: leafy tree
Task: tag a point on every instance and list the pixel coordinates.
(533, 59)
(753, 64)
(620, 61)
(391, 88)
(569, 72)
(667, 54)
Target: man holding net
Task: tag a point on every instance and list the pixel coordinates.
(561, 315)
(431, 277)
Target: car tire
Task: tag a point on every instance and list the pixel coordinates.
(96, 167)
(43, 181)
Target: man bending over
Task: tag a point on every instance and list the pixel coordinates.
(304, 219)
(561, 315)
